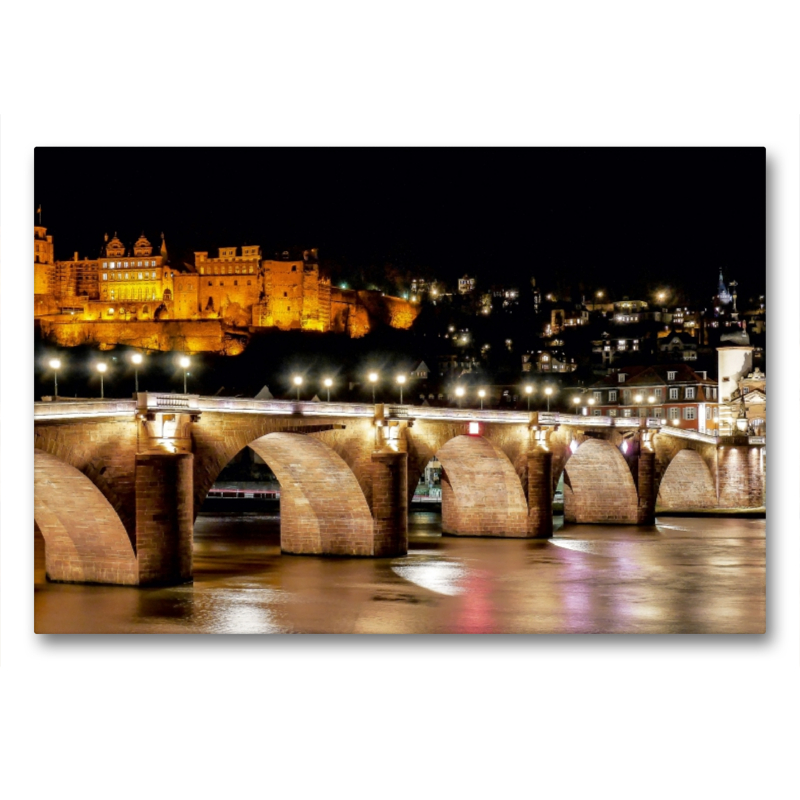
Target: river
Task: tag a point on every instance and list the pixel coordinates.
(684, 575)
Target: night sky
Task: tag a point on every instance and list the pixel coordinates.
(624, 220)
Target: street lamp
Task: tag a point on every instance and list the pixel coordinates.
(328, 383)
(137, 360)
(185, 363)
(576, 401)
(459, 394)
(548, 391)
(529, 391)
(373, 379)
(481, 394)
(638, 398)
(298, 382)
(55, 365)
(401, 379)
(101, 368)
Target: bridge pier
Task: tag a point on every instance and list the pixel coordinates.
(389, 502)
(646, 488)
(540, 498)
(164, 517)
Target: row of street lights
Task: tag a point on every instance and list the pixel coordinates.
(136, 359)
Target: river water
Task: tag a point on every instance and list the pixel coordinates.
(684, 575)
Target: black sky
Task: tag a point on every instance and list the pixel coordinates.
(625, 220)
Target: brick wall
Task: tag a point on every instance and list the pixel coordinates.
(325, 511)
(85, 540)
(603, 490)
(389, 502)
(741, 477)
(164, 518)
(687, 484)
(481, 492)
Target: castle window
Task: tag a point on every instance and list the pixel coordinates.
(126, 276)
(248, 283)
(285, 294)
(201, 271)
(237, 269)
(140, 276)
(105, 276)
(154, 276)
(211, 283)
(288, 308)
(251, 269)
(294, 268)
(236, 283)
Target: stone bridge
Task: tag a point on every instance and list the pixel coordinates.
(118, 482)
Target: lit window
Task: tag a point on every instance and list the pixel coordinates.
(140, 276)
(673, 394)
(671, 376)
(690, 392)
(690, 412)
(105, 276)
(626, 412)
(598, 396)
(612, 396)
(674, 413)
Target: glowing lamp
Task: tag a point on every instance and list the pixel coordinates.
(638, 398)
(185, 362)
(55, 363)
(460, 391)
(474, 428)
(101, 367)
(327, 383)
(136, 358)
(624, 447)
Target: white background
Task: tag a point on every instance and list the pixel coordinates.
(380, 716)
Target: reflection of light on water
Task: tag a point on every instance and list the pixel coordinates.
(596, 548)
(437, 575)
(662, 526)
(245, 611)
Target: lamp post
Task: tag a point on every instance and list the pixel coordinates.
(328, 383)
(528, 392)
(576, 402)
(481, 394)
(373, 379)
(55, 365)
(298, 382)
(101, 368)
(459, 394)
(590, 401)
(401, 379)
(185, 362)
(137, 360)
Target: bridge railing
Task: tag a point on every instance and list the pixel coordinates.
(83, 408)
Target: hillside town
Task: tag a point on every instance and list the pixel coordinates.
(469, 342)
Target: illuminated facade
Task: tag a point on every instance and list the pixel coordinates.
(237, 288)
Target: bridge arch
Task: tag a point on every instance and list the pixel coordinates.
(482, 493)
(598, 485)
(687, 484)
(323, 508)
(85, 540)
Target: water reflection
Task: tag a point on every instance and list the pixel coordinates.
(683, 575)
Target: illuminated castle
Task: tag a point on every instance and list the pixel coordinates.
(237, 289)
